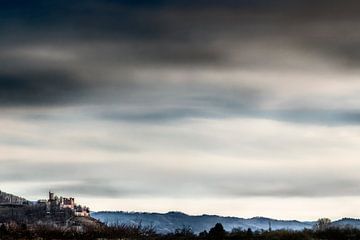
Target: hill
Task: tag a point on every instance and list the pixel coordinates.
(55, 211)
(6, 198)
(347, 223)
(169, 222)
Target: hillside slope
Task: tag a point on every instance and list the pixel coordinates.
(169, 222)
(6, 198)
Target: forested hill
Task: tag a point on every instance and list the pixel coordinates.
(169, 222)
(6, 198)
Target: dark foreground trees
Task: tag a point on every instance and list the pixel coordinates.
(217, 232)
(138, 232)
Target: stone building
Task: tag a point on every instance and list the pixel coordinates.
(56, 204)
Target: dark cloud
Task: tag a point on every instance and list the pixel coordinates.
(236, 108)
(38, 88)
(127, 37)
(152, 116)
(314, 116)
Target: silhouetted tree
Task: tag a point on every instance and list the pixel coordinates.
(203, 234)
(322, 224)
(185, 231)
(249, 232)
(217, 232)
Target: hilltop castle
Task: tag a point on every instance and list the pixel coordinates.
(54, 211)
(55, 205)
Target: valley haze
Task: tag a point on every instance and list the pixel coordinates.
(166, 223)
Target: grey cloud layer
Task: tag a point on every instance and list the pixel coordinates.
(115, 180)
(113, 81)
(96, 54)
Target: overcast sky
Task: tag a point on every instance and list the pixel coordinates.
(242, 108)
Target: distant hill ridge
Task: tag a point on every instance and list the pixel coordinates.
(169, 222)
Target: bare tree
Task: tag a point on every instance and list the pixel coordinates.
(322, 224)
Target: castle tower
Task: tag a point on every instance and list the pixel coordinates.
(51, 196)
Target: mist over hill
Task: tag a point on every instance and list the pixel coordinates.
(169, 222)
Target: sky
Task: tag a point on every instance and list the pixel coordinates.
(239, 108)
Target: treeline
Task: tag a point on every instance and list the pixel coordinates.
(138, 232)
(320, 232)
